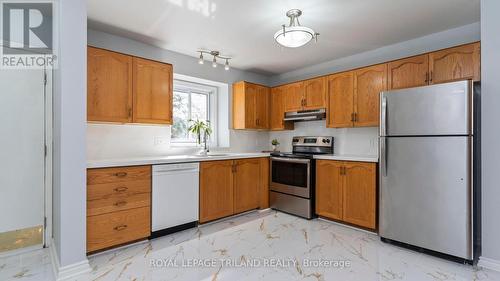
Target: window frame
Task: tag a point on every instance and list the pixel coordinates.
(196, 88)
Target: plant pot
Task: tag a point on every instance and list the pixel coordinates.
(275, 147)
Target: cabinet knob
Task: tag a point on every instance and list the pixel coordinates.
(121, 189)
(120, 203)
(121, 174)
(120, 227)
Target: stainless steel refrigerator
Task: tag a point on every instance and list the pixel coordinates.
(425, 171)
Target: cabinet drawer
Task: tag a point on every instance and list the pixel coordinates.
(118, 203)
(117, 189)
(104, 231)
(120, 174)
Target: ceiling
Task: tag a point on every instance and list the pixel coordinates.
(244, 29)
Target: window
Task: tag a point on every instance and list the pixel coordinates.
(191, 102)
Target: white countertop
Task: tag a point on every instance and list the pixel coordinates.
(348, 157)
(153, 160)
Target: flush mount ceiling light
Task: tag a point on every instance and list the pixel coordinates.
(294, 35)
(216, 55)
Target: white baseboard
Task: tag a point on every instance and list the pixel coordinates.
(67, 272)
(489, 263)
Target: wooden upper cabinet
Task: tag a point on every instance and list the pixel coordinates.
(277, 110)
(409, 72)
(314, 93)
(462, 62)
(329, 188)
(262, 107)
(109, 86)
(340, 107)
(369, 82)
(152, 92)
(246, 184)
(359, 193)
(294, 96)
(250, 106)
(216, 190)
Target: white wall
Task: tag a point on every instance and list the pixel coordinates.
(359, 141)
(69, 161)
(490, 136)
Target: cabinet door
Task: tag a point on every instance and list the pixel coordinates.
(359, 191)
(109, 86)
(340, 100)
(277, 110)
(315, 93)
(294, 96)
(368, 83)
(456, 63)
(264, 183)
(216, 190)
(246, 184)
(152, 92)
(250, 105)
(329, 189)
(409, 72)
(262, 107)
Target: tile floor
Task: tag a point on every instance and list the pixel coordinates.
(256, 246)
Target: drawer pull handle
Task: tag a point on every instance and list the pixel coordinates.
(121, 174)
(120, 227)
(121, 189)
(120, 203)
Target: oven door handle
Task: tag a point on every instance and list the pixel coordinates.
(292, 160)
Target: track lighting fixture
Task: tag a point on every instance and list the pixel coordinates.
(215, 55)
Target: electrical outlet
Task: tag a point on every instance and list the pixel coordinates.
(160, 140)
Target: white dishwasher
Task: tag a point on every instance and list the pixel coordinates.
(175, 197)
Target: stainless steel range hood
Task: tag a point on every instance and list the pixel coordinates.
(306, 115)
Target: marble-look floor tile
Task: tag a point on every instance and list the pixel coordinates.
(258, 246)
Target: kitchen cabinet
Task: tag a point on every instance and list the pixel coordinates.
(118, 206)
(409, 72)
(250, 106)
(457, 63)
(246, 191)
(305, 95)
(127, 89)
(346, 191)
(264, 183)
(340, 108)
(109, 86)
(152, 99)
(329, 182)
(314, 94)
(368, 83)
(229, 187)
(277, 112)
(294, 96)
(216, 190)
(359, 193)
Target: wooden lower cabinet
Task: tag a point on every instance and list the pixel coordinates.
(347, 191)
(112, 229)
(118, 206)
(229, 187)
(246, 185)
(359, 193)
(216, 190)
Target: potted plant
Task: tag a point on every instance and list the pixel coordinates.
(275, 143)
(202, 130)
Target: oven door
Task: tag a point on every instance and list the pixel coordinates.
(291, 176)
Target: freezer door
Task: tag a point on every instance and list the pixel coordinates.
(425, 193)
(442, 109)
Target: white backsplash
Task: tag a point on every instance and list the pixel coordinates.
(358, 141)
(106, 141)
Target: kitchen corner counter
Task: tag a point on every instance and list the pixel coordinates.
(348, 157)
(154, 160)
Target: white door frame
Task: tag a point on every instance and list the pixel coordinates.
(48, 87)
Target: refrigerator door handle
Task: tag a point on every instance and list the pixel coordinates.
(383, 156)
(383, 114)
